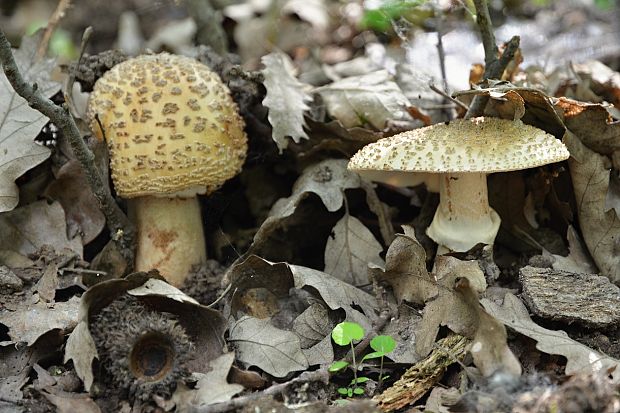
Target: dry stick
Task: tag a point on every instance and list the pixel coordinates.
(493, 67)
(448, 97)
(58, 14)
(209, 25)
(120, 227)
(309, 376)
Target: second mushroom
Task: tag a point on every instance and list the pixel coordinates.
(462, 152)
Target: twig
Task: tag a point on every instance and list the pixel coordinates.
(493, 67)
(306, 377)
(120, 227)
(58, 14)
(448, 97)
(483, 19)
(209, 25)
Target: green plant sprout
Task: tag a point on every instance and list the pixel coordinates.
(382, 345)
(344, 334)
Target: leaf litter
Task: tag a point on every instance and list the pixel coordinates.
(326, 251)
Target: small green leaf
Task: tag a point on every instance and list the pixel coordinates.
(383, 344)
(358, 390)
(336, 366)
(359, 380)
(343, 390)
(373, 355)
(346, 332)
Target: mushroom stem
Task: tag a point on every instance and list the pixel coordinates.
(170, 236)
(463, 217)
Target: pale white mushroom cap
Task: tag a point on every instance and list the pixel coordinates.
(465, 145)
(171, 127)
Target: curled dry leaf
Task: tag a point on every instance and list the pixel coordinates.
(327, 179)
(81, 207)
(286, 99)
(258, 343)
(350, 251)
(405, 269)
(20, 124)
(212, 387)
(373, 98)
(579, 358)
(204, 326)
(600, 227)
(312, 335)
(26, 229)
(32, 321)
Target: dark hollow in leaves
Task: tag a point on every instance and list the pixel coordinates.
(144, 351)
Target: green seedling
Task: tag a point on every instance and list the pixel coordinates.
(382, 345)
(344, 334)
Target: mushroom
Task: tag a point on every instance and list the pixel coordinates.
(173, 132)
(462, 152)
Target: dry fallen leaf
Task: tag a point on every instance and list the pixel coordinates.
(371, 99)
(351, 250)
(286, 99)
(258, 343)
(405, 269)
(579, 358)
(81, 207)
(328, 179)
(212, 387)
(26, 229)
(20, 123)
(32, 321)
(600, 227)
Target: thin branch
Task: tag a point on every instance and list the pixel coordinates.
(320, 375)
(483, 19)
(448, 97)
(120, 227)
(52, 23)
(493, 66)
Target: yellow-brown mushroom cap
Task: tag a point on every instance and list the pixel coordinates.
(171, 127)
(483, 145)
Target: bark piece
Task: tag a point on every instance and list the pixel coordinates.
(587, 299)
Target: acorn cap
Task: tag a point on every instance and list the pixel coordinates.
(171, 127)
(482, 145)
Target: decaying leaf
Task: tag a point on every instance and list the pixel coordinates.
(204, 326)
(20, 124)
(82, 209)
(66, 402)
(600, 227)
(367, 99)
(32, 321)
(351, 250)
(258, 343)
(578, 259)
(28, 228)
(580, 358)
(456, 306)
(286, 99)
(212, 387)
(328, 179)
(405, 269)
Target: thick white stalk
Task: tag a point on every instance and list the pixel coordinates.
(463, 217)
(170, 236)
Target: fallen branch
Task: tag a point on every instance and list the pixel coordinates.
(320, 375)
(121, 229)
(494, 66)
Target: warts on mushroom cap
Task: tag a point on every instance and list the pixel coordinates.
(183, 107)
(465, 145)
